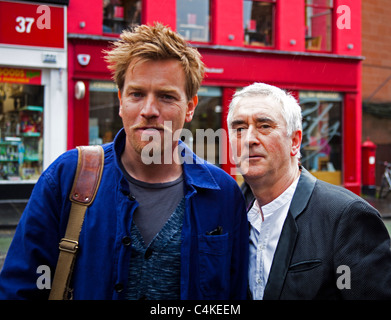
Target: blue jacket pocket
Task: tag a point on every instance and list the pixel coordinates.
(214, 258)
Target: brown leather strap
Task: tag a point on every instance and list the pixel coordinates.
(88, 174)
(85, 186)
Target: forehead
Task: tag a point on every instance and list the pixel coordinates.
(165, 71)
(257, 106)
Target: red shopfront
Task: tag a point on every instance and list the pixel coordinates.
(327, 85)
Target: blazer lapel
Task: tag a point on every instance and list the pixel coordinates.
(281, 260)
(287, 241)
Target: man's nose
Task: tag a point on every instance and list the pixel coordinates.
(252, 136)
(150, 108)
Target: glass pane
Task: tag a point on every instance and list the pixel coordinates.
(321, 148)
(320, 3)
(193, 19)
(318, 29)
(120, 14)
(258, 18)
(104, 107)
(204, 131)
(21, 131)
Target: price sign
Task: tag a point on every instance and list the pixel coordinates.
(32, 25)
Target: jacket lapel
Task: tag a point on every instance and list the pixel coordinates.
(287, 241)
(281, 259)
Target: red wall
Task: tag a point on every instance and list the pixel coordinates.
(226, 18)
(293, 71)
(228, 25)
(352, 36)
(161, 11)
(290, 25)
(88, 11)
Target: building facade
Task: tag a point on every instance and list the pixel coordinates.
(33, 94)
(310, 47)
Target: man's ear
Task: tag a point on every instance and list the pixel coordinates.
(191, 105)
(296, 142)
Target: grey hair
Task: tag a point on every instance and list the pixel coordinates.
(290, 108)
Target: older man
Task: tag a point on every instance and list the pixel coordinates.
(308, 239)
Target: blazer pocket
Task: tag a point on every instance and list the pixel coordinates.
(304, 265)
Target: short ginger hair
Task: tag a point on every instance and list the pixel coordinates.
(157, 42)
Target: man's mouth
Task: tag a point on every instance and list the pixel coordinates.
(150, 129)
(255, 156)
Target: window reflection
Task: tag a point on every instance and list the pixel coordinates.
(258, 19)
(204, 131)
(193, 19)
(321, 147)
(104, 121)
(121, 14)
(318, 25)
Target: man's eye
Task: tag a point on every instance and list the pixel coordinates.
(239, 130)
(136, 94)
(167, 97)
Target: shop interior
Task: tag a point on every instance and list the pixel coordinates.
(21, 131)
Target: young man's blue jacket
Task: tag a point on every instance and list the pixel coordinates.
(212, 266)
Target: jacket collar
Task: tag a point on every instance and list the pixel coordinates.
(195, 169)
(303, 192)
(287, 241)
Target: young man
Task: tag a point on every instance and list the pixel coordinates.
(164, 223)
(308, 239)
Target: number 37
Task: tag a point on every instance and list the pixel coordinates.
(25, 24)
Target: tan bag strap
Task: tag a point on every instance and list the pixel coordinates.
(85, 186)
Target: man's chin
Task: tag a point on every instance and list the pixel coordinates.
(249, 171)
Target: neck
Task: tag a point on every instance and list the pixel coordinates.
(267, 189)
(151, 173)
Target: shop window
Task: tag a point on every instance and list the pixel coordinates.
(21, 131)
(321, 148)
(104, 120)
(121, 14)
(203, 133)
(258, 19)
(193, 19)
(318, 24)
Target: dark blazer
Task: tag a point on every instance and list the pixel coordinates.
(328, 227)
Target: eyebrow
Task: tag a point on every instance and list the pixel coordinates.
(164, 89)
(239, 122)
(264, 119)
